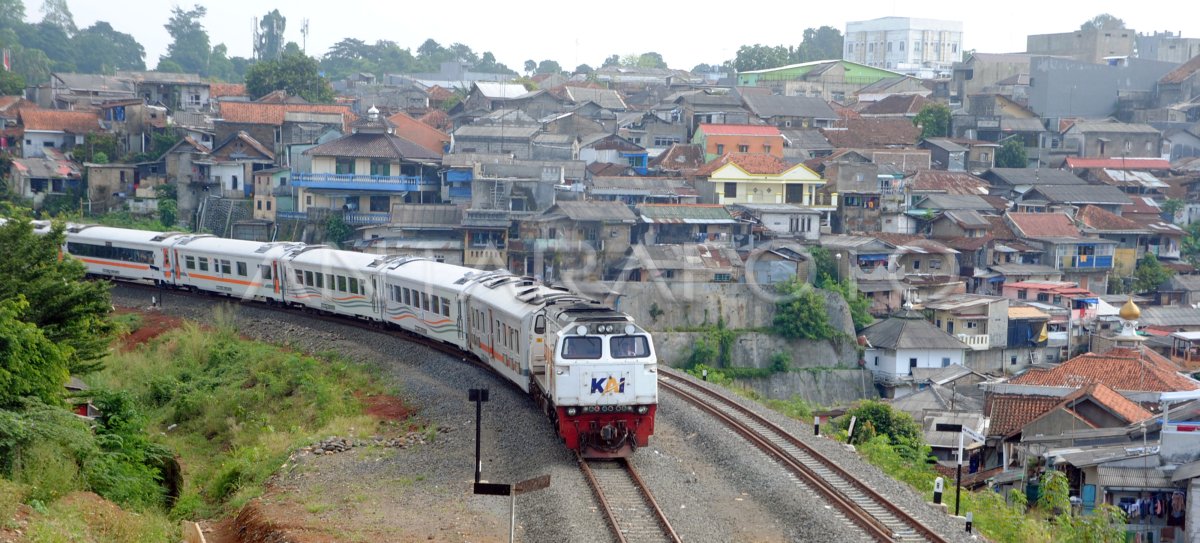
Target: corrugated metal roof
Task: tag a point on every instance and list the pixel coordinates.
(685, 213)
(1133, 478)
(595, 211)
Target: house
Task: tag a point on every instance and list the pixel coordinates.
(187, 92)
(782, 221)
(683, 263)
(650, 130)
(1010, 183)
(894, 105)
(574, 237)
(790, 111)
(871, 197)
(705, 107)
(805, 143)
(890, 269)
(679, 160)
(514, 140)
(1181, 290)
(53, 129)
(576, 124)
(109, 185)
(44, 176)
(605, 98)
(488, 96)
(82, 92)
(185, 165)
(761, 179)
(685, 223)
(979, 74)
(272, 193)
(878, 133)
(945, 154)
(834, 80)
(426, 136)
(720, 139)
(613, 149)
(232, 164)
(431, 231)
(1085, 261)
(928, 182)
(903, 342)
(368, 171)
(1113, 139)
(1128, 234)
(639, 190)
(1063, 197)
(281, 125)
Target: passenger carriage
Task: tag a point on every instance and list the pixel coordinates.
(248, 270)
(132, 255)
(330, 280)
(423, 296)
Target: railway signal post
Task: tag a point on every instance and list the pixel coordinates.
(478, 395)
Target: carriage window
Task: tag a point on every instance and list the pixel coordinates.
(445, 307)
(582, 348)
(265, 271)
(407, 297)
(629, 347)
(203, 263)
(354, 284)
(241, 269)
(300, 277)
(342, 283)
(308, 278)
(189, 262)
(329, 280)
(226, 269)
(539, 324)
(437, 304)
(425, 301)
(320, 280)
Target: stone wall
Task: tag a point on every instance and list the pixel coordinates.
(667, 306)
(820, 387)
(755, 349)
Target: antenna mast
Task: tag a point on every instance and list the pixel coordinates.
(257, 37)
(304, 32)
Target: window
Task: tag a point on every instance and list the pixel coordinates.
(720, 148)
(265, 271)
(935, 264)
(945, 361)
(241, 269)
(258, 204)
(341, 284)
(320, 280)
(731, 190)
(437, 304)
(916, 264)
(407, 297)
(344, 166)
(308, 199)
(268, 205)
(889, 47)
(225, 267)
(381, 167)
(1022, 294)
(972, 324)
(942, 427)
(1012, 361)
(722, 277)
(425, 302)
(308, 278)
(300, 277)
(111, 253)
(876, 360)
(767, 146)
(203, 261)
(902, 45)
(629, 347)
(445, 307)
(233, 182)
(912, 362)
(354, 285)
(189, 261)
(743, 148)
(380, 204)
(984, 157)
(582, 348)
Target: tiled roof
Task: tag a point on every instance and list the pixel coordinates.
(1119, 369)
(234, 147)
(873, 133)
(999, 228)
(739, 130)
(1043, 225)
(420, 133)
(897, 104)
(218, 90)
(1011, 412)
(1184, 71)
(272, 114)
(75, 122)
(679, 156)
(1097, 218)
(1141, 205)
(436, 118)
(439, 93)
(1117, 403)
(753, 163)
(373, 146)
(1118, 163)
(948, 182)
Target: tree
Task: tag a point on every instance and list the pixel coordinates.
(896, 424)
(1104, 21)
(703, 68)
(1012, 154)
(1150, 273)
(189, 47)
(613, 60)
(530, 66)
(12, 13)
(821, 43)
(56, 13)
(651, 60)
(582, 69)
(11, 83)
(429, 49)
(219, 65)
(800, 312)
(1171, 208)
(549, 67)
(69, 311)
(760, 57)
(52, 41)
(101, 49)
(269, 43)
(463, 53)
(297, 74)
(30, 364)
(933, 120)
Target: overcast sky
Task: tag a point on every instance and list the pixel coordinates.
(573, 33)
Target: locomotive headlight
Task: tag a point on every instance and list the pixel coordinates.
(571, 411)
(643, 409)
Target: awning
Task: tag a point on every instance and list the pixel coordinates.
(1112, 478)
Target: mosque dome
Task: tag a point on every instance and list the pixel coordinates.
(1130, 311)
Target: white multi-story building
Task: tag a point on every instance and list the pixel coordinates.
(925, 48)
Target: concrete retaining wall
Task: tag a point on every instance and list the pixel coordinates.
(755, 349)
(820, 387)
(667, 306)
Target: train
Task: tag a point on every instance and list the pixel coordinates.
(590, 368)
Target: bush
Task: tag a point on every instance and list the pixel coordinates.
(800, 313)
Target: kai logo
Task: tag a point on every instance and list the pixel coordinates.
(608, 385)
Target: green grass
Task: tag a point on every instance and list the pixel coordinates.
(77, 518)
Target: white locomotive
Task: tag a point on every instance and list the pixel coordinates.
(592, 369)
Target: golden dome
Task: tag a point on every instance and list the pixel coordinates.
(1130, 311)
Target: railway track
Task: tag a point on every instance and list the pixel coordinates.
(627, 504)
(876, 515)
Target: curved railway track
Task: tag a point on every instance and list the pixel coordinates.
(876, 515)
(628, 505)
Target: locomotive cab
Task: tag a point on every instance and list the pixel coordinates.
(604, 384)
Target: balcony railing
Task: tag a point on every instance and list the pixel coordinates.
(1087, 261)
(1171, 251)
(362, 218)
(978, 342)
(363, 182)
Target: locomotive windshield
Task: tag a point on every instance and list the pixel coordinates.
(629, 347)
(582, 348)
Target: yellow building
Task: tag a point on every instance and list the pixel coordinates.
(762, 179)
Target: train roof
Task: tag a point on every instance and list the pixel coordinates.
(78, 232)
(429, 271)
(324, 256)
(237, 247)
(518, 294)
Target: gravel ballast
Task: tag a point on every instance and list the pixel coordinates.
(712, 486)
